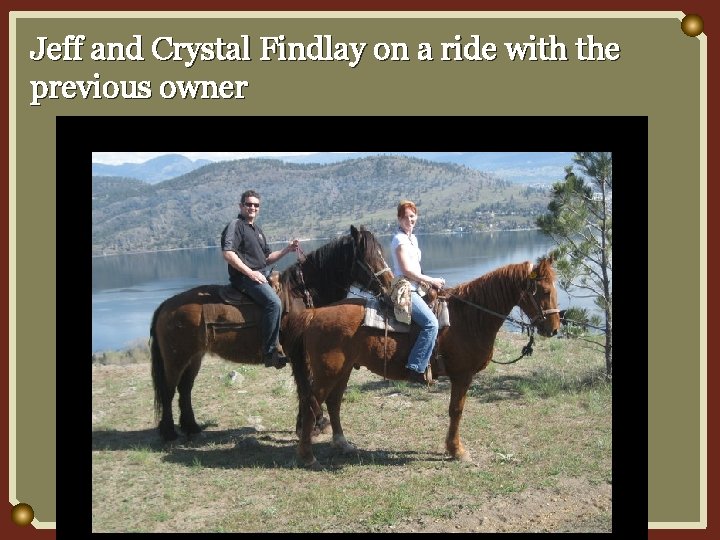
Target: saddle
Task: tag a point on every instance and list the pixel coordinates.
(383, 317)
(230, 295)
(238, 310)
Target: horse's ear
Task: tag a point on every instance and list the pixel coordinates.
(354, 232)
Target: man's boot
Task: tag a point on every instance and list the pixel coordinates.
(276, 359)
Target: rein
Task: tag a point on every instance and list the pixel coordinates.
(527, 350)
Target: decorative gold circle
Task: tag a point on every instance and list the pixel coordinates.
(692, 25)
(22, 514)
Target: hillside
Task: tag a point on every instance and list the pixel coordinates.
(305, 201)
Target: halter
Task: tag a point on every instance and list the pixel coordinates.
(541, 313)
(527, 350)
(373, 277)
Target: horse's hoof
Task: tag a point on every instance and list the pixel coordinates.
(323, 425)
(168, 435)
(314, 465)
(464, 457)
(199, 435)
(344, 446)
(349, 450)
(190, 431)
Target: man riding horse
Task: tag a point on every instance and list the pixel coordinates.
(246, 251)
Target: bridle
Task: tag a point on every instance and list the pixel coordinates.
(373, 278)
(541, 313)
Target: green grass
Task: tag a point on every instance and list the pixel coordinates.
(536, 429)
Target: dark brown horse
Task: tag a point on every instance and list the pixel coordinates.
(331, 340)
(187, 326)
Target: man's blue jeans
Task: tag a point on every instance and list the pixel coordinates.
(271, 307)
(423, 316)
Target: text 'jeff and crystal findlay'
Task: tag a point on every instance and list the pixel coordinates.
(166, 48)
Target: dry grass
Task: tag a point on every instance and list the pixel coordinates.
(539, 432)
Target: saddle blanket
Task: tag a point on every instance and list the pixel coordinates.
(374, 313)
(377, 316)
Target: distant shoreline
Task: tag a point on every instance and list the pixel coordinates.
(328, 238)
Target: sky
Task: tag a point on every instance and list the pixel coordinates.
(515, 166)
(118, 158)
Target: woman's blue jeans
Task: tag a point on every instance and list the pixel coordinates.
(423, 316)
(271, 307)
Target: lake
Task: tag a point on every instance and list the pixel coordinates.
(126, 289)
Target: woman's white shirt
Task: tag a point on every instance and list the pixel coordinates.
(412, 252)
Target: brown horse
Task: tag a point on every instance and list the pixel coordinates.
(187, 326)
(333, 339)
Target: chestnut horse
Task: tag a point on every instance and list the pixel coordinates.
(188, 325)
(332, 340)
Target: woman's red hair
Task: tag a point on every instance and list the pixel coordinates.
(403, 205)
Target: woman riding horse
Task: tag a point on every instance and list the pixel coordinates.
(332, 340)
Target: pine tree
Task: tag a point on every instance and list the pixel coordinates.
(579, 219)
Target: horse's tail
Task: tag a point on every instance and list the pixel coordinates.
(158, 366)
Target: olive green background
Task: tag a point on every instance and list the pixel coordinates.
(658, 76)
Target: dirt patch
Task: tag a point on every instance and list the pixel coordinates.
(573, 506)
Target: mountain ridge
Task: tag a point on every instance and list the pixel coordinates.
(304, 200)
(153, 170)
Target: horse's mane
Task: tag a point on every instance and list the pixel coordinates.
(328, 270)
(368, 247)
(499, 289)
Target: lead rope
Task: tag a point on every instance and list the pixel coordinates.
(527, 350)
(385, 357)
(306, 293)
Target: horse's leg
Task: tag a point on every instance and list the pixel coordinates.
(334, 401)
(166, 427)
(322, 424)
(306, 419)
(459, 385)
(164, 383)
(187, 380)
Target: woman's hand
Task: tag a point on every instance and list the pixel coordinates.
(437, 283)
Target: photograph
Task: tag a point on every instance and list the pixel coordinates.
(402, 285)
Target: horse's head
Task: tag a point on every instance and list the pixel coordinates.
(370, 269)
(325, 275)
(539, 300)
